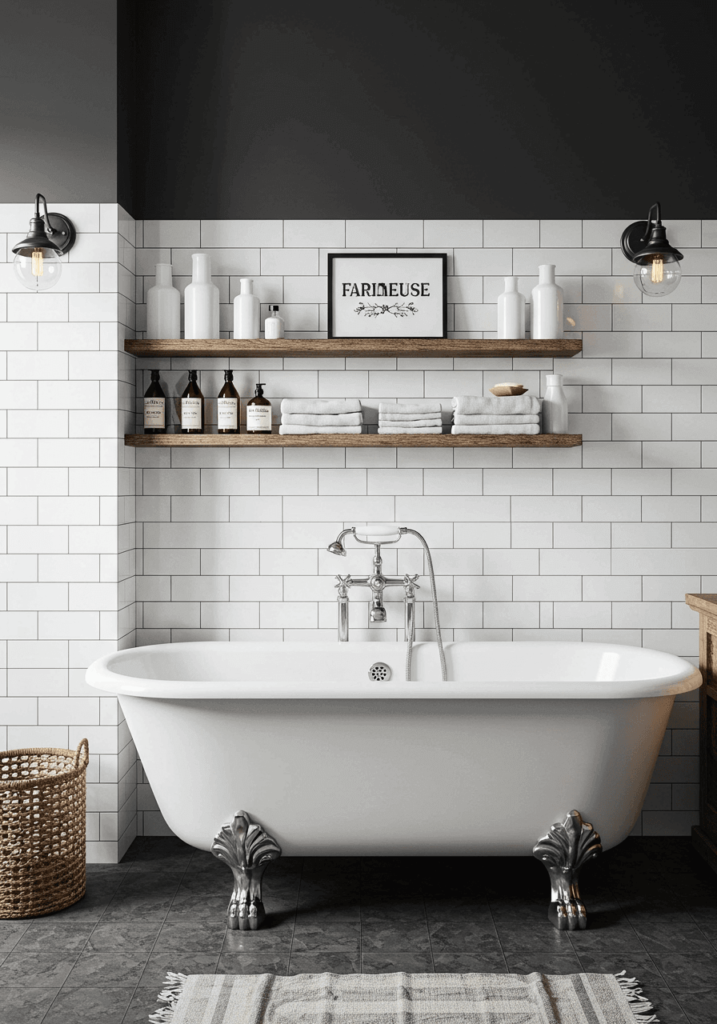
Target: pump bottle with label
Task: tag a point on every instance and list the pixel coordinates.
(155, 407)
(258, 413)
(228, 406)
(192, 411)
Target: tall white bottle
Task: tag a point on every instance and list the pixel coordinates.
(511, 311)
(201, 300)
(547, 305)
(555, 405)
(247, 309)
(163, 305)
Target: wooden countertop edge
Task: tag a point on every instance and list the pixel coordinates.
(706, 603)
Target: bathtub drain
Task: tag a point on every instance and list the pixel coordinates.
(379, 672)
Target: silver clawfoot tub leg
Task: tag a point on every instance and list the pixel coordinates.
(564, 850)
(247, 849)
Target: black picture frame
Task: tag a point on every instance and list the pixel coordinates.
(434, 256)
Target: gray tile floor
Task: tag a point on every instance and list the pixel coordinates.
(652, 904)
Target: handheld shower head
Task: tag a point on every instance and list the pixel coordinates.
(336, 547)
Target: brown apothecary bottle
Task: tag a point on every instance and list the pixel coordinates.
(192, 407)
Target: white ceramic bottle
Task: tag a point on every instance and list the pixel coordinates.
(511, 311)
(247, 309)
(555, 405)
(547, 305)
(274, 324)
(201, 300)
(163, 305)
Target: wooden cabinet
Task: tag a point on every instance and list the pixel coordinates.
(704, 835)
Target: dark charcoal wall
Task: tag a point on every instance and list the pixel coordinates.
(58, 100)
(420, 108)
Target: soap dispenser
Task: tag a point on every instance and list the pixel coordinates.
(258, 413)
(247, 309)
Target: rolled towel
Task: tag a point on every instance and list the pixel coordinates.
(410, 430)
(429, 407)
(529, 428)
(477, 421)
(511, 405)
(428, 421)
(347, 419)
(296, 428)
(320, 406)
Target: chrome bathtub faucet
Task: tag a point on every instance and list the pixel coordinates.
(376, 583)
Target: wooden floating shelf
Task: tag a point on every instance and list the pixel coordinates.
(353, 440)
(298, 348)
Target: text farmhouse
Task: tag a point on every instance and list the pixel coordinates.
(393, 289)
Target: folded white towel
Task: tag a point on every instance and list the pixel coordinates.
(420, 407)
(410, 430)
(530, 428)
(426, 421)
(389, 417)
(511, 405)
(321, 406)
(347, 419)
(477, 421)
(295, 428)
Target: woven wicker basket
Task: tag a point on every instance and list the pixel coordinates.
(42, 830)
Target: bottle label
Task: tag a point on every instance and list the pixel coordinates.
(258, 417)
(154, 413)
(191, 414)
(227, 413)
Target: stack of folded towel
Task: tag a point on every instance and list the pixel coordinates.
(321, 416)
(409, 417)
(513, 414)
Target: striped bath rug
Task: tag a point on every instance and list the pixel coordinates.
(403, 999)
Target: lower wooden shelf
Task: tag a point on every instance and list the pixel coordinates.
(353, 440)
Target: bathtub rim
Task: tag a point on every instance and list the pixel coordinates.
(103, 675)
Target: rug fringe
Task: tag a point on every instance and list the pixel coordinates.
(640, 1005)
(173, 985)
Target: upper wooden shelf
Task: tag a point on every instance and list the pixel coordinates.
(353, 440)
(298, 348)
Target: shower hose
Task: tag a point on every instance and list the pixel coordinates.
(434, 598)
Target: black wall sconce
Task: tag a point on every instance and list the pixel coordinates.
(37, 258)
(657, 264)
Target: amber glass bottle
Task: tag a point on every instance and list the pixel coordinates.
(228, 406)
(258, 413)
(155, 407)
(192, 413)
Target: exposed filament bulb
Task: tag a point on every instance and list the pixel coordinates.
(37, 270)
(658, 266)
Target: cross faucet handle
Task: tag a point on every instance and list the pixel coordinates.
(410, 581)
(344, 581)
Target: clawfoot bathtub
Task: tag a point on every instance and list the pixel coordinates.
(335, 759)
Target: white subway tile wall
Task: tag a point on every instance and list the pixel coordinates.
(597, 543)
(566, 543)
(67, 511)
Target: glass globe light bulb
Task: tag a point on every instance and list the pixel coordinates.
(38, 268)
(658, 277)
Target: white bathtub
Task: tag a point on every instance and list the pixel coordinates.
(331, 763)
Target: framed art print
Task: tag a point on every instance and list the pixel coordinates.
(376, 295)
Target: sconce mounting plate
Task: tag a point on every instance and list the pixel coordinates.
(64, 235)
(634, 238)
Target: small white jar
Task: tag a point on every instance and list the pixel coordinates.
(274, 324)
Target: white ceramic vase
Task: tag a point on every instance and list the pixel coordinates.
(511, 311)
(547, 305)
(555, 405)
(246, 310)
(163, 305)
(201, 300)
